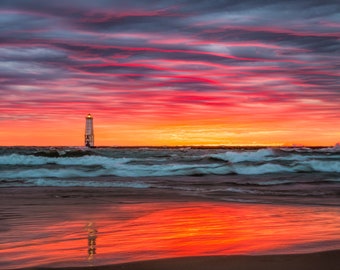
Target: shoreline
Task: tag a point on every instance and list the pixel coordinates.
(106, 195)
(329, 260)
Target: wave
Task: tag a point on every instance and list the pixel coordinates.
(132, 170)
(325, 166)
(329, 150)
(234, 156)
(18, 159)
(160, 162)
(43, 182)
(63, 153)
(122, 170)
(265, 155)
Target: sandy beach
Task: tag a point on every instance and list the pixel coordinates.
(97, 228)
(323, 260)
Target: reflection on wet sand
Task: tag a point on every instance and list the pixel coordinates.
(138, 231)
(91, 237)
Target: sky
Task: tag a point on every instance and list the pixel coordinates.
(166, 73)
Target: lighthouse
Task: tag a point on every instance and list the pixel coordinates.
(89, 135)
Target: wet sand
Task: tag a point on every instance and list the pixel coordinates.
(329, 260)
(141, 229)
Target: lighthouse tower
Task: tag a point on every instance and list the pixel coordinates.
(89, 135)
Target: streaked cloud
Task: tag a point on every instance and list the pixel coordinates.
(168, 62)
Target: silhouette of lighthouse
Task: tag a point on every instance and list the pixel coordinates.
(89, 135)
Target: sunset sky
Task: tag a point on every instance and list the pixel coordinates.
(170, 72)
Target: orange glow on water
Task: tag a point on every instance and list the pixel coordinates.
(142, 231)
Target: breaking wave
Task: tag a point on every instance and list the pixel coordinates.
(178, 162)
(234, 157)
(233, 174)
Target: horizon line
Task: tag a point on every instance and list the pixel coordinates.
(184, 146)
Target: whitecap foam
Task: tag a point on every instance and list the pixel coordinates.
(17, 159)
(261, 169)
(49, 173)
(235, 157)
(243, 191)
(275, 182)
(131, 170)
(325, 166)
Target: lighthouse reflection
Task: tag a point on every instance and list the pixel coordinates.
(135, 230)
(91, 237)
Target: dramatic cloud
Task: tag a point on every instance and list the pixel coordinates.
(251, 66)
